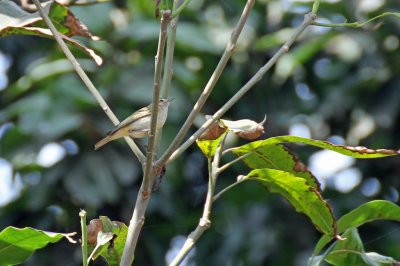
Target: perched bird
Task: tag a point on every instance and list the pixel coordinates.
(137, 125)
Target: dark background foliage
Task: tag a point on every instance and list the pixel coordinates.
(338, 84)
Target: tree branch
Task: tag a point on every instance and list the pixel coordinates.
(205, 221)
(144, 194)
(308, 20)
(81, 73)
(169, 53)
(210, 85)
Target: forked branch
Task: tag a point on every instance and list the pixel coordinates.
(144, 194)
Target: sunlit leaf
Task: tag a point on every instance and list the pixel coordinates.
(208, 147)
(275, 156)
(303, 197)
(353, 151)
(18, 244)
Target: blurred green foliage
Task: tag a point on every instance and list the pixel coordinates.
(334, 82)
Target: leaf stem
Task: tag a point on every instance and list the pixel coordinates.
(144, 194)
(180, 9)
(81, 73)
(228, 188)
(356, 24)
(227, 165)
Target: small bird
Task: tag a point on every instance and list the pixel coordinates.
(137, 125)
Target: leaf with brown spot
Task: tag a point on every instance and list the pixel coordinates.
(209, 147)
(301, 196)
(356, 151)
(275, 156)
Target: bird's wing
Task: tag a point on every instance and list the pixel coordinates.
(138, 115)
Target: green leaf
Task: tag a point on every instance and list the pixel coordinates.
(303, 197)
(368, 212)
(208, 147)
(112, 254)
(17, 245)
(351, 252)
(275, 156)
(356, 152)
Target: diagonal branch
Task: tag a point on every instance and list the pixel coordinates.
(308, 20)
(210, 85)
(144, 194)
(81, 73)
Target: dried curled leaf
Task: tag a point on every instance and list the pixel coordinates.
(77, 28)
(14, 20)
(213, 132)
(95, 226)
(245, 128)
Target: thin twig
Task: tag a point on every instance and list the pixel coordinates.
(82, 215)
(81, 73)
(210, 85)
(356, 24)
(205, 221)
(144, 194)
(32, 8)
(228, 188)
(315, 7)
(227, 165)
(308, 20)
(176, 12)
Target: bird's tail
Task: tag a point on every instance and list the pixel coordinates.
(102, 142)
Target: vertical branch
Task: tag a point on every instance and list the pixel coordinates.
(168, 66)
(81, 73)
(169, 53)
(210, 85)
(205, 221)
(315, 6)
(144, 194)
(82, 215)
(308, 20)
